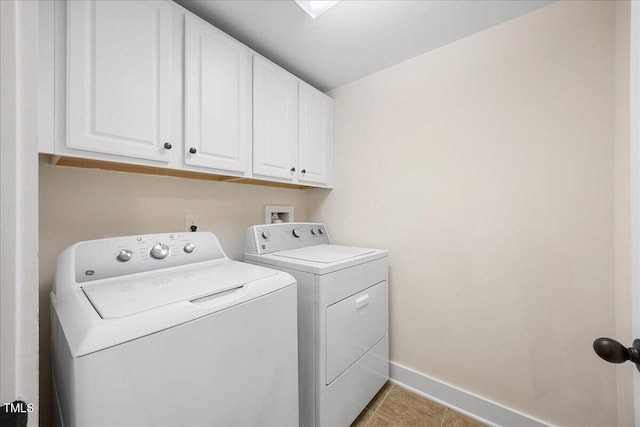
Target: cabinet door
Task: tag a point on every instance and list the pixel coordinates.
(315, 136)
(119, 77)
(275, 121)
(217, 98)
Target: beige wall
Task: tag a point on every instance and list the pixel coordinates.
(83, 204)
(486, 167)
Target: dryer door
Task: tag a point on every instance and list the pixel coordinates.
(355, 325)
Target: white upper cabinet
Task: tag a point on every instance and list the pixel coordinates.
(119, 78)
(217, 99)
(147, 83)
(275, 121)
(315, 159)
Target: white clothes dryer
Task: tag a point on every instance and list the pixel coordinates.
(165, 330)
(342, 317)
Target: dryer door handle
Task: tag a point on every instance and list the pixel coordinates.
(362, 301)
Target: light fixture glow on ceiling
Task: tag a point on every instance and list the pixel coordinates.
(315, 8)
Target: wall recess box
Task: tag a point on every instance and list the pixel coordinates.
(191, 220)
(274, 214)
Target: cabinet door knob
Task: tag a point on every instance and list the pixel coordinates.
(293, 169)
(303, 171)
(193, 150)
(167, 146)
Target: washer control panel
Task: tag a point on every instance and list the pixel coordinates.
(264, 239)
(101, 259)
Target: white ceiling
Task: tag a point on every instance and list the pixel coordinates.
(356, 37)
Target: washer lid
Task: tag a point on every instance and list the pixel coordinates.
(325, 254)
(125, 296)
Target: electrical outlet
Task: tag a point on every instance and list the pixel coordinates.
(190, 221)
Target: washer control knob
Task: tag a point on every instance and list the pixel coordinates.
(297, 232)
(313, 231)
(320, 230)
(189, 247)
(124, 255)
(160, 251)
(266, 234)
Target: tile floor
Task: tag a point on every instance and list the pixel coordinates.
(394, 406)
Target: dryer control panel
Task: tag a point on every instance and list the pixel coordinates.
(267, 238)
(104, 258)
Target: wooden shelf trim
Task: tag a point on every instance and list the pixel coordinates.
(151, 170)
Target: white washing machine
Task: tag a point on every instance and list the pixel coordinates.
(342, 317)
(165, 330)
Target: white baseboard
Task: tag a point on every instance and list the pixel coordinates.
(461, 401)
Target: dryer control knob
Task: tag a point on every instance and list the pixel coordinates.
(297, 232)
(160, 251)
(313, 231)
(189, 247)
(320, 230)
(124, 255)
(266, 234)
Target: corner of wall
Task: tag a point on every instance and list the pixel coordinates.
(622, 206)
